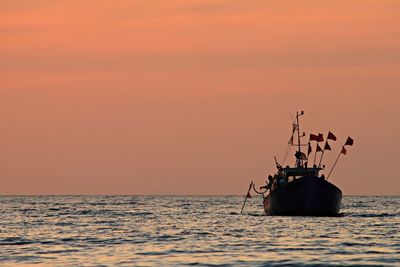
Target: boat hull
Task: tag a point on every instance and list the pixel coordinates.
(305, 196)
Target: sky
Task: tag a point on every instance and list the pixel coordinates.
(194, 97)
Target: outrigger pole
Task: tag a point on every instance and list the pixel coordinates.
(247, 196)
(334, 164)
(349, 142)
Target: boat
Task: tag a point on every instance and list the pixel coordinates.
(308, 195)
(302, 190)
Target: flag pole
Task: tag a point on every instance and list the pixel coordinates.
(334, 164)
(315, 155)
(323, 152)
(248, 191)
(308, 149)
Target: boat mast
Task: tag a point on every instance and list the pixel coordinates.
(298, 138)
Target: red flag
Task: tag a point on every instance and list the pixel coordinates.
(349, 141)
(248, 195)
(343, 151)
(331, 136)
(319, 149)
(313, 137)
(327, 146)
(320, 137)
(309, 149)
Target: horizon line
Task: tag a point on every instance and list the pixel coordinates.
(172, 195)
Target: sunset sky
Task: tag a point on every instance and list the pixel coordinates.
(194, 97)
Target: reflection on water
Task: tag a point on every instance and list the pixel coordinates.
(204, 231)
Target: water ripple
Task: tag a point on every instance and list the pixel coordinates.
(198, 231)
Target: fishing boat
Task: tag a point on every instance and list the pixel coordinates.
(307, 195)
(302, 190)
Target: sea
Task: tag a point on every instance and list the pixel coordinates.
(193, 231)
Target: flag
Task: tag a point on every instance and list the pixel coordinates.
(313, 137)
(349, 141)
(319, 149)
(331, 136)
(309, 149)
(343, 151)
(248, 195)
(320, 137)
(327, 146)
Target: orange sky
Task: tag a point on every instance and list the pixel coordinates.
(193, 97)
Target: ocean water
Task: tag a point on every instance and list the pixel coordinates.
(185, 231)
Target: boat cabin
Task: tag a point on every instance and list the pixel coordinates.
(288, 174)
(298, 172)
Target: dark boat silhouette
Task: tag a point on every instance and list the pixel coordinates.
(301, 190)
(308, 195)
